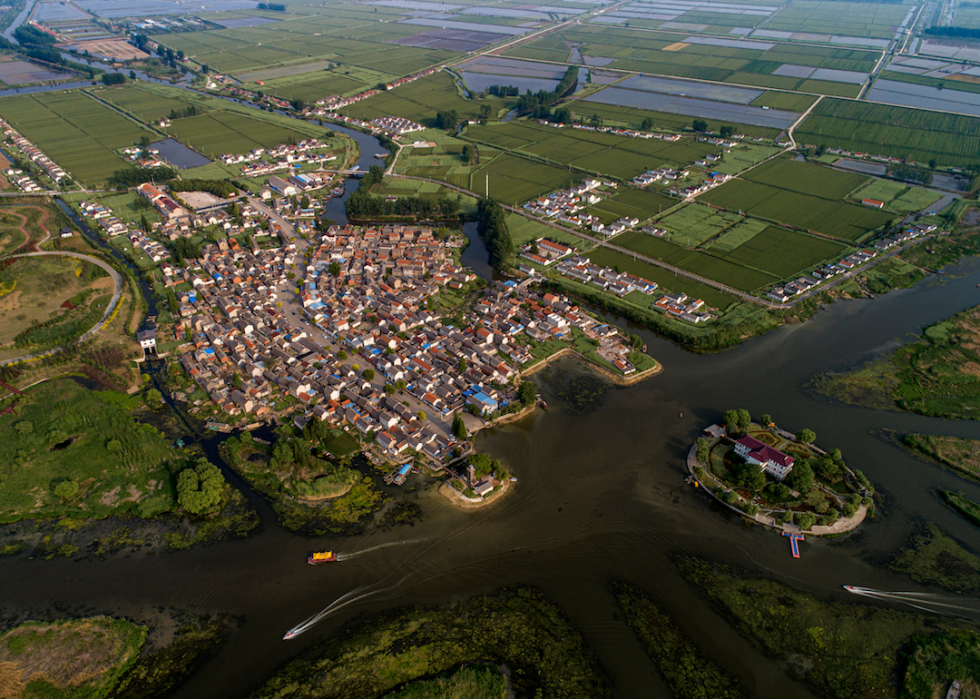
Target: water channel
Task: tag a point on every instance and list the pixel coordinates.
(600, 496)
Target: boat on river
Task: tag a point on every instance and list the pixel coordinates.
(321, 557)
(954, 691)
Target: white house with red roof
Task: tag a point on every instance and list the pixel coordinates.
(774, 462)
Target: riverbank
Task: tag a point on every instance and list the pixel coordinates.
(618, 379)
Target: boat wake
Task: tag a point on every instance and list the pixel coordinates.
(355, 554)
(349, 598)
(924, 601)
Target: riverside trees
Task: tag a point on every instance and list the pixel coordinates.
(493, 228)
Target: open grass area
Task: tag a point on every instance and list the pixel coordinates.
(47, 290)
(950, 139)
(61, 432)
(738, 234)
(75, 131)
(72, 658)
(961, 455)
(523, 230)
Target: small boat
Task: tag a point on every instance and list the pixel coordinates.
(322, 557)
(954, 691)
(681, 414)
(542, 403)
(290, 634)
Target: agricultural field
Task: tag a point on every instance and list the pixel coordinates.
(854, 19)
(692, 225)
(784, 253)
(600, 153)
(738, 234)
(665, 279)
(222, 132)
(513, 180)
(148, 101)
(524, 230)
(899, 132)
(639, 203)
(75, 130)
(421, 100)
(736, 60)
(633, 117)
(700, 263)
(898, 197)
(806, 178)
(313, 86)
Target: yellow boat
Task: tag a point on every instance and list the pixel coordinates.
(322, 557)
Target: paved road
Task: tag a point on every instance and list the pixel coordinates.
(116, 296)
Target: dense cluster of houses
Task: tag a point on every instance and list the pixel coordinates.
(712, 180)
(665, 173)
(683, 307)
(410, 78)
(34, 154)
(583, 270)
(568, 205)
(394, 126)
(162, 202)
(144, 157)
(113, 227)
(905, 236)
(283, 157)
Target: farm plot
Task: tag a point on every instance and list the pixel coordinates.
(834, 218)
(900, 132)
(310, 88)
(898, 197)
(147, 102)
(699, 263)
(218, 133)
(737, 235)
(806, 178)
(610, 155)
(76, 131)
(696, 223)
(513, 180)
(666, 280)
(857, 19)
(784, 253)
(617, 115)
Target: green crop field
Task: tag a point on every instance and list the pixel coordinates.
(666, 280)
(606, 154)
(75, 131)
(523, 230)
(838, 219)
(695, 261)
(950, 139)
(897, 196)
(806, 178)
(421, 100)
(784, 253)
(738, 234)
(645, 51)
(229, 132)
(311, 87)
(147, 101)
(784, 100)
(632, 117)
(693, 224)
(514, 180)
(639, 203)
(861, 19)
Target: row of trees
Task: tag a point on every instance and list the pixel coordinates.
(219, 188)
(538, 104)
(492, 226)
(189, 111)
(135, 176)
(700, 126)
(503, 91)
(363, 205)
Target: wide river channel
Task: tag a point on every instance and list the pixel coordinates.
(600, 496)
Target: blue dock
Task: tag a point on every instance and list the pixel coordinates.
(794, 539)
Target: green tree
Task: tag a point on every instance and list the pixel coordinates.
(702, 452)
(459, 428)
(806, 436)
(24, 427)
(646, 124)
(766, 419)
(462, 364)
(342, 355)
(421, 415)
(801, 477)
(199, 489)
(526, 393)
(400, 384)
(726, 131)
(699, 125)
(805, 520)
(57, 436)
(66, 490)
(113, 446)
(154, 398)
(368, 374)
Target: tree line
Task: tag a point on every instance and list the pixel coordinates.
(538, 104)
(219, 188)
(492, 226)
(135, 176)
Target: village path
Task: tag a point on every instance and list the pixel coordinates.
(23, 228)
(117, 280)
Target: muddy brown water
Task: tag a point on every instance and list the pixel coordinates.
(600, 496)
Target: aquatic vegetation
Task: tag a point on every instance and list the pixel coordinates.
(932, 662)
(515, 626)
(936, 559)
(689, 674)
(962, 455)
(478, 682)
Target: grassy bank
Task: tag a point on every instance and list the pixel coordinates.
(966, 507)
(961, 455)
(479, 682)
(689, 674)
(516, 626)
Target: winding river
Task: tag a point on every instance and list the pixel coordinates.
(600, 496)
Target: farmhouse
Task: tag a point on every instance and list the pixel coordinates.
(873, 203)
(774, 462)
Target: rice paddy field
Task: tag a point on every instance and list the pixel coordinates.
(513, 180)
(900, 132)
(857, 19)
(632, 117)
(75, 130)
(421, 100)
(692, 225)
(898, 197)
(343, 33)
(736, 60)
(606, 154)
(806, 178)
(638, 203)
(222, 132)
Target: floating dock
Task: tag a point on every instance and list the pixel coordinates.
(794, 539)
